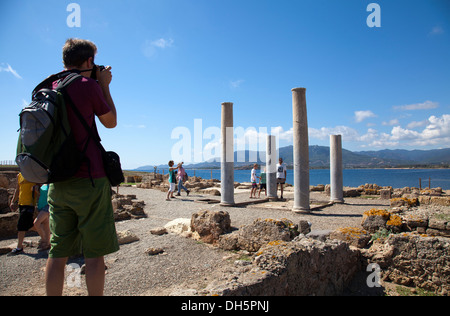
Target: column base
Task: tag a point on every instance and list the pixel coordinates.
(301, 210)
(227, 204)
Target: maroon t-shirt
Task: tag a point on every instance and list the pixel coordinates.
(88, 97)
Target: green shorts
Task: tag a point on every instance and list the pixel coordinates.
(81, 219)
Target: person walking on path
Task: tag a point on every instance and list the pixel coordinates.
(281, 175)
(81, 212)
(26, 197)
(172, 180)
(181, 175)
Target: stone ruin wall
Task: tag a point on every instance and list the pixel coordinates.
(288, 259)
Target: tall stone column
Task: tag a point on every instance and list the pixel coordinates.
(227, 158)
(271, 167)
(301, 150)
(336, 169)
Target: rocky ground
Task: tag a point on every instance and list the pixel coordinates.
(184, 263)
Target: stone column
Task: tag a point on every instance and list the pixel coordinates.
(336, 169)
(301, 150)
(227, 157)
(271, 167)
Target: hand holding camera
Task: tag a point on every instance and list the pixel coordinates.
(103, 74)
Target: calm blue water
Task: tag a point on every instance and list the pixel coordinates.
(397, 178)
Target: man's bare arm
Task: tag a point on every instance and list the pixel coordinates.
(109, 120)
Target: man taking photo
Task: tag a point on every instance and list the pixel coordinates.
(81, 213)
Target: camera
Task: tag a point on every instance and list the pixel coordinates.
(94, 71)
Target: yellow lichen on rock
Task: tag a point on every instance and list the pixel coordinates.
(352, 232)
(394, 220)
(375, 212)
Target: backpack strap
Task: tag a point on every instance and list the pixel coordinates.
(47, 82)
(68, 80)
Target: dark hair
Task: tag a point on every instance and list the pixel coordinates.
(77, 51)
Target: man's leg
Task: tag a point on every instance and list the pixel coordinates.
(20, 238)
(54, 276)
(95, 276)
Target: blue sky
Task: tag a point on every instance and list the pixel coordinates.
(176, 61)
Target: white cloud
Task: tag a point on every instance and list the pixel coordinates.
(348, 133)
(362, 115)
(399, 133)
(436, 132)
(391, 122)
(236, 83)
(374, 139)
(282, 134)
(427, 105)
(437, 30)
(162, 43)
(9, 69)
(439, 127)
(416, 124)
(150, 48)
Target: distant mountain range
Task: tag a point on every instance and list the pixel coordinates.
(319, 157)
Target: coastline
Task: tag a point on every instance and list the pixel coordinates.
(397, 178)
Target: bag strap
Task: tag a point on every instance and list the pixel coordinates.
(47, 82)
(68, 80)
(92, 135)
(68, 100)
(88, 129)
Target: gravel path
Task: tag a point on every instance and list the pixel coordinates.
(185, 261)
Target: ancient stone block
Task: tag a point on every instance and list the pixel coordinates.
(354, 236)
(374, 219)
(210, 225)
(260, 232)
(8, 224)
(385, 194)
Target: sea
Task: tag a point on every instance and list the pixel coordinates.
(397, 178)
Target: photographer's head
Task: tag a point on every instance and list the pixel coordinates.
(78, 52)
